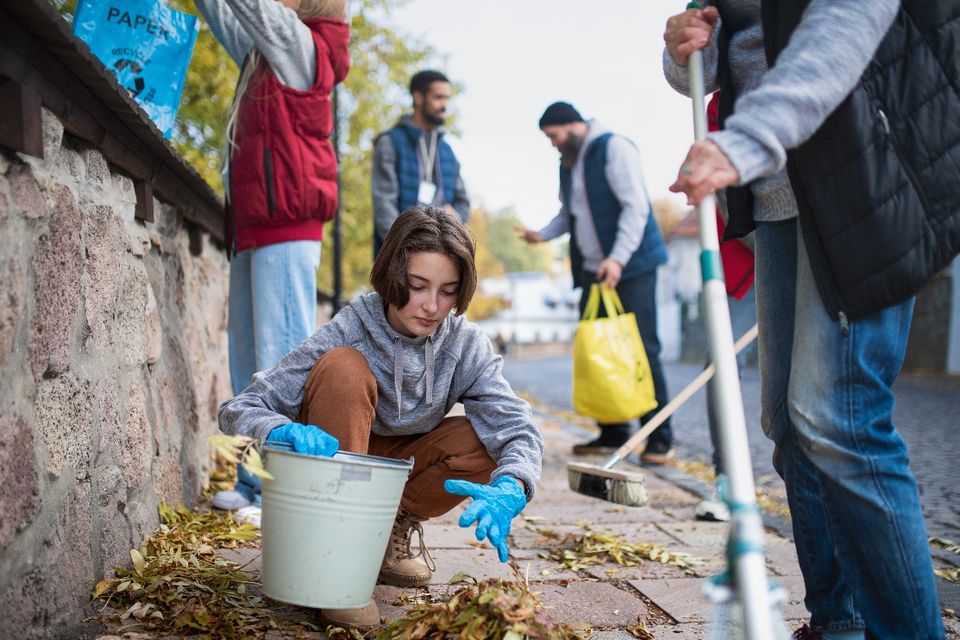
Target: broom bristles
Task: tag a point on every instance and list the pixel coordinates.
(620, 487)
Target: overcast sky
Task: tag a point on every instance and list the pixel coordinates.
(513, 58)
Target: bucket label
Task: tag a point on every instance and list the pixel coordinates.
(354, 473)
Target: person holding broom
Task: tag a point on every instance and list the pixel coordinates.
(614, 239)
(843, 174)
(380, 379)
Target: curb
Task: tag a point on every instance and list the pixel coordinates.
(778, 524)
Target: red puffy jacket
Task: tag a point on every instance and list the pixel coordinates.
(283, 170)
(736, 257)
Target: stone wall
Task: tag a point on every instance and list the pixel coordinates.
(112, 363)
(927, 348)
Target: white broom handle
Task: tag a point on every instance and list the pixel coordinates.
(671, 407)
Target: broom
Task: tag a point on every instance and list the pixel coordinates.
(626, 487)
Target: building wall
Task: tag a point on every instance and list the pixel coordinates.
(112, 363)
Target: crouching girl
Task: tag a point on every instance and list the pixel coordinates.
(380, 379)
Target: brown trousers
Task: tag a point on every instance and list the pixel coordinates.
(340, 397)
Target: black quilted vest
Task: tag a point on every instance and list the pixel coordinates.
(878, 185)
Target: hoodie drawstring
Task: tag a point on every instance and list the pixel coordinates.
(398, 371)
(428, 357)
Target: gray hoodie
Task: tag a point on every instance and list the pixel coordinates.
(418, 381)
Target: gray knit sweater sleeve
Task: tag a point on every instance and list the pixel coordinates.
(678, 77)
(823, 61)
(385, 185)
(275, 30)
(502, 421)
(275, 396)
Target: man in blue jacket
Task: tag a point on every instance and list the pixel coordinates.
(614, 239)
(413, 164)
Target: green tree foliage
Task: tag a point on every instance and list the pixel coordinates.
(509, 250)
(372, 98)
(488, 266)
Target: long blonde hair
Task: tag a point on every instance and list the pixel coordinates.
(308, 9)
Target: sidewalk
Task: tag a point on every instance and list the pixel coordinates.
(608, 598)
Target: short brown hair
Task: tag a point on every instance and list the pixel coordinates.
(424, 229)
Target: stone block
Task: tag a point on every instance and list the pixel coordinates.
(49, 596)
(6, 203)
(19, 485)
(64, 420)
(25, 191)
(106, 247)
(115, 542)
(71, 167)
(97, 178)
(127, 331)
(167, 478)
(143, 515)
(69, 559)
(138, 239)
(111, 426)
(57, 264)
(52, 133)
(138, 440)
(25, 608)
(154, 330)
(11, 306)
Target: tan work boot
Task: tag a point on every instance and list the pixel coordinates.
(400, 566)
(366, 617)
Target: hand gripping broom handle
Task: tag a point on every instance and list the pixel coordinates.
(677, 402)
(746, 526)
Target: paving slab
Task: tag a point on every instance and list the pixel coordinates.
(595, 604)
(479, 563)
(696, 533)
(680, 598)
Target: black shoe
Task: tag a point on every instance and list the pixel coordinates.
(605, 444)
(806, 633)
(657, 453)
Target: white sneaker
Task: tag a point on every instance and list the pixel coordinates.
(229, 500)
(251, 515)
(713, 508)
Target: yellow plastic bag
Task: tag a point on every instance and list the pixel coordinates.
(611, 374)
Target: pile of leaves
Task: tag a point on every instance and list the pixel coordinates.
(240, 449)
(574, 550)
(492, 609)
(178, 585)
(950, 574)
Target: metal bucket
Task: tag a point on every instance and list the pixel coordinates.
(326, 524)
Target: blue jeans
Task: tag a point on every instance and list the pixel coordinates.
(827, 405)
(741, 319)
(273, 305)
(639, 295)
(273, 308)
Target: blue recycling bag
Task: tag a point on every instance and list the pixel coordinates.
(147, 44)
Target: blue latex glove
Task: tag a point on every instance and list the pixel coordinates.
(493, 507)
(306, 438)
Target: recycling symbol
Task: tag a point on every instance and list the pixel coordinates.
(132, 69)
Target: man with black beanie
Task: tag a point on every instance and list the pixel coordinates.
(614, 239)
